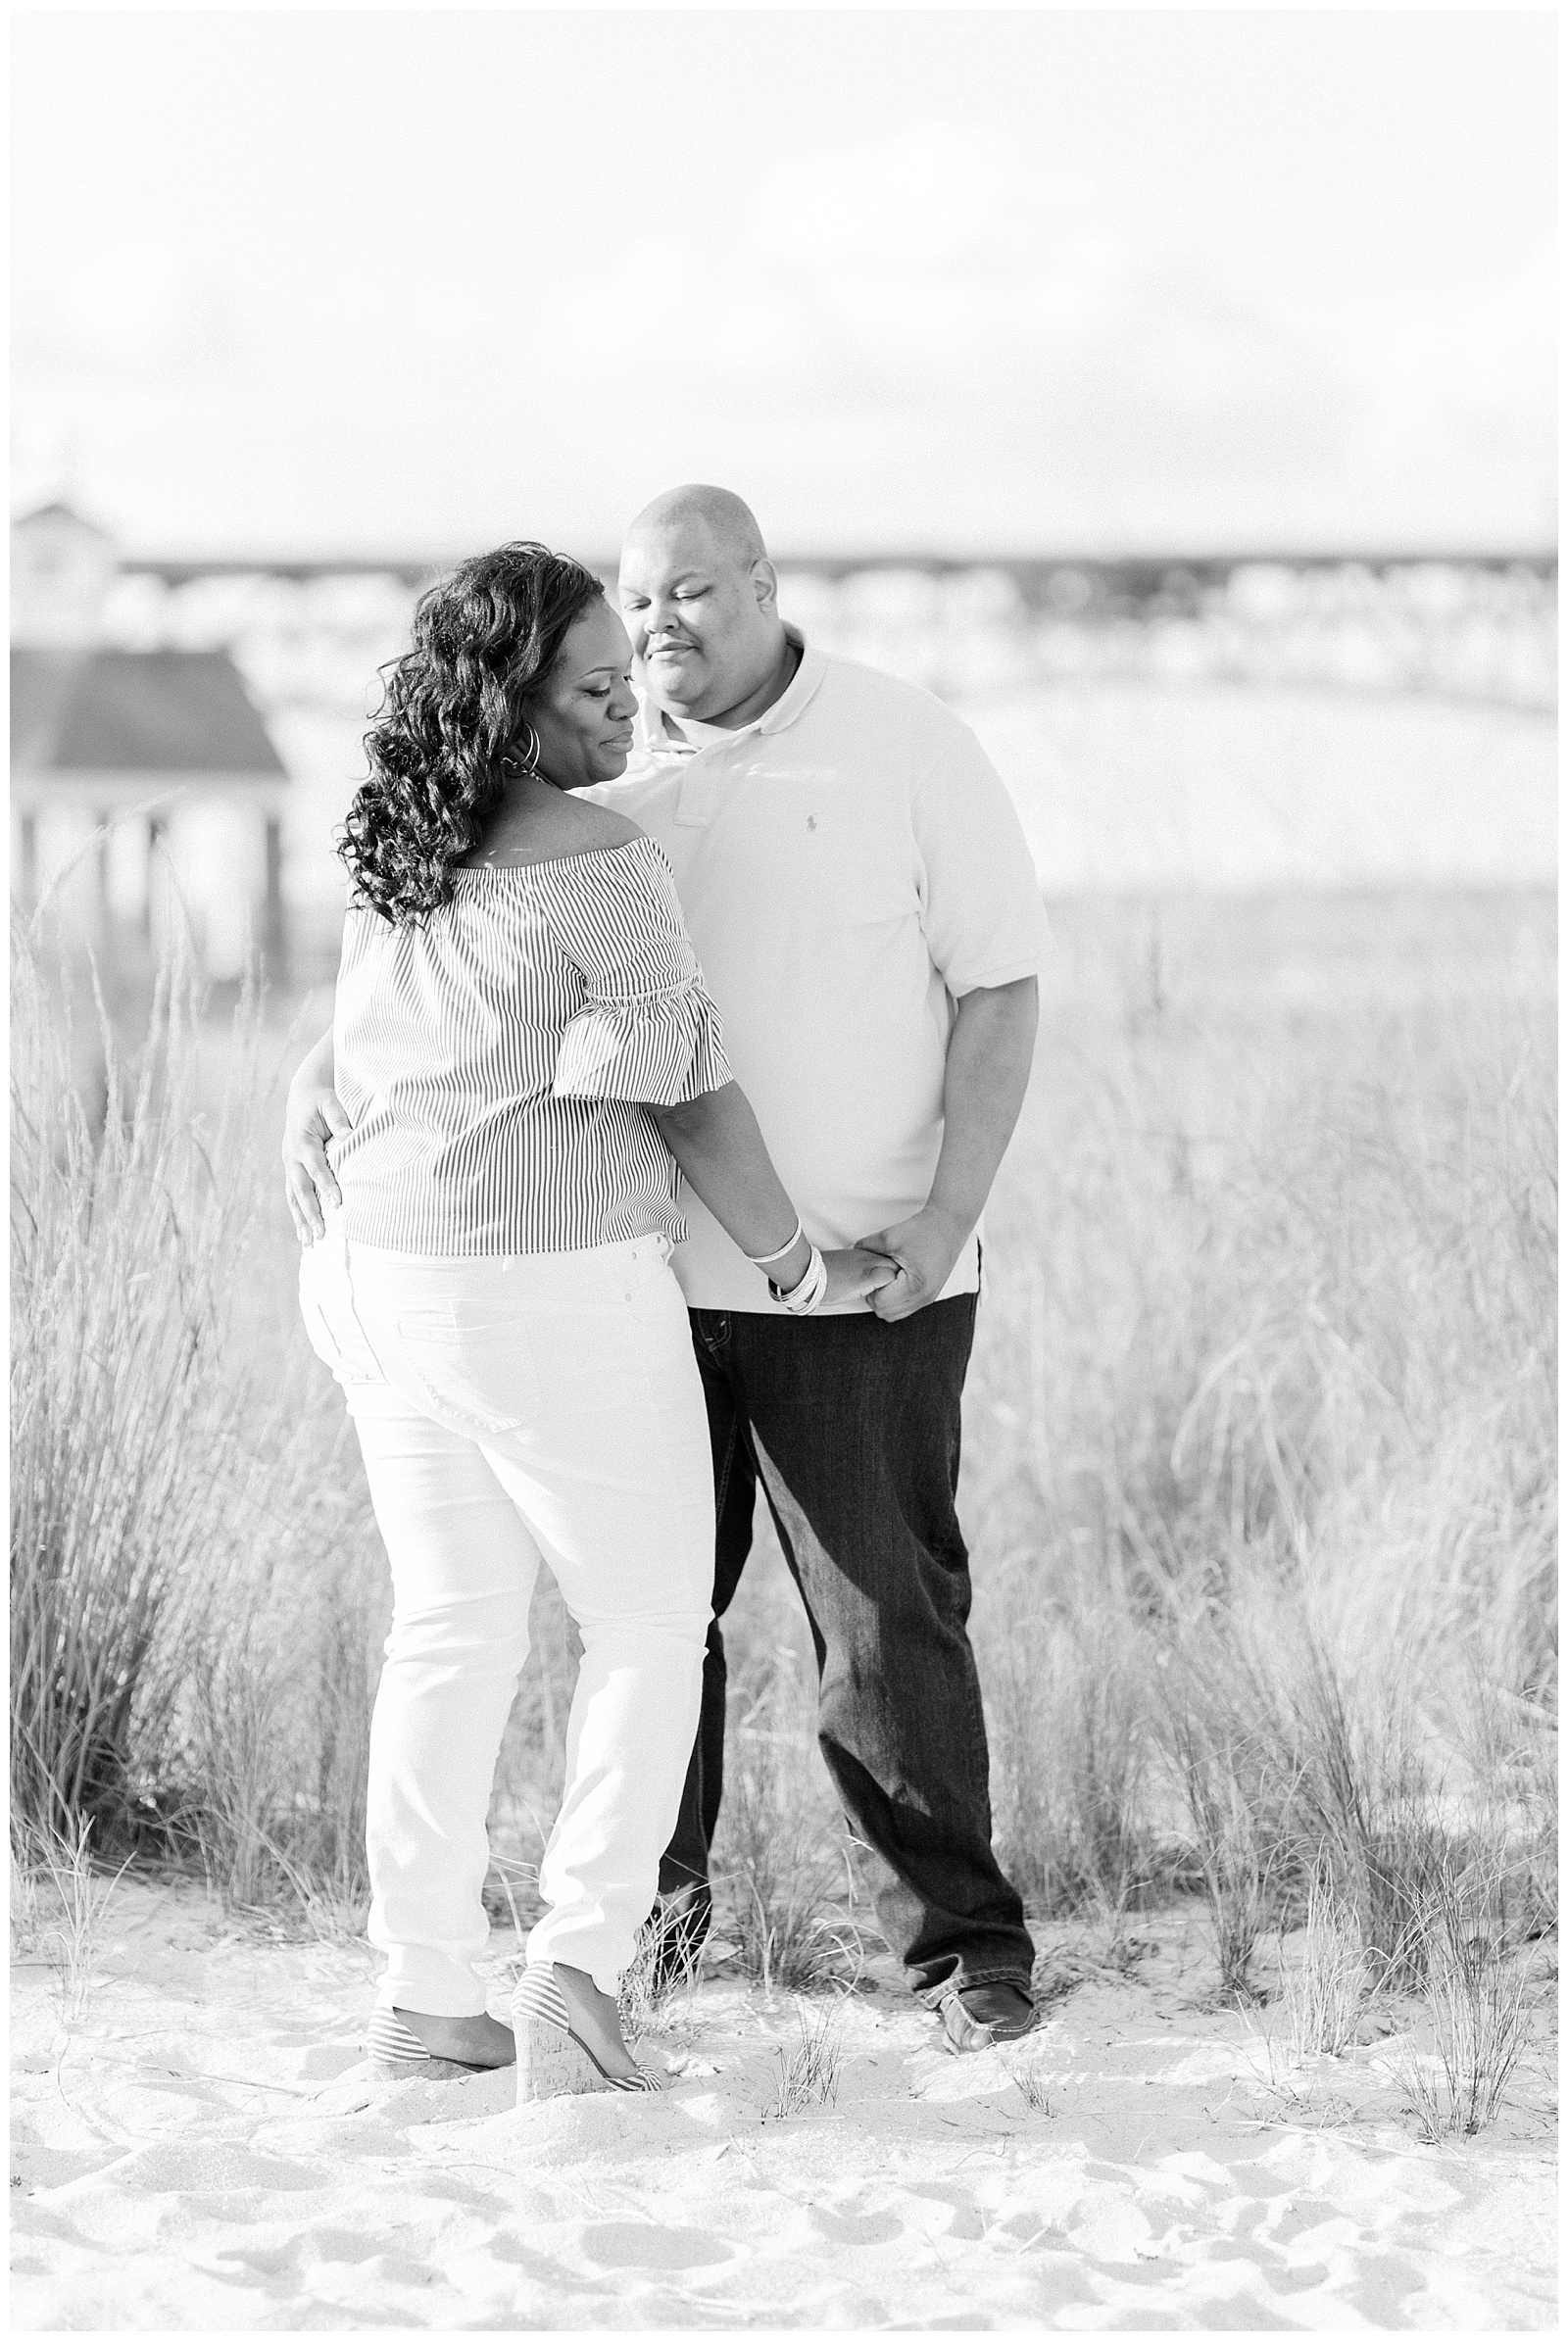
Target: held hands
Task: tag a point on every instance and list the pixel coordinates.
(898, 1270)
(922, 1250)
(855, 1274)
(315, 1114)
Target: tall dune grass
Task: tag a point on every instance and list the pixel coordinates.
(189, 1637)
(1476, 2000)
(1261, 1460)
(126, 1439)
(1259, 1464)
(785, 1888)
(1332, 1986)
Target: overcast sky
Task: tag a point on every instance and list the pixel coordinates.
(367, 281)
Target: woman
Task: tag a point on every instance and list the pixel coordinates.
(526, 1051)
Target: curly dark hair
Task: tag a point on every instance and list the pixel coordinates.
(453, 726)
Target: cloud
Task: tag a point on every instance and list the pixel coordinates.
(927, 339)
(1067, 373)
(934, 196)
(138, 310)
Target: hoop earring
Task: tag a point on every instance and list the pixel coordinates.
(531, 754)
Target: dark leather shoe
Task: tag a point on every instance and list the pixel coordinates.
(985, 2014)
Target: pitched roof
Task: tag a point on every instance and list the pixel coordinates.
(55, 508)
(135, 711)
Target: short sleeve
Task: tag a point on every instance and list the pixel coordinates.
(983, 917)
(649, 1031)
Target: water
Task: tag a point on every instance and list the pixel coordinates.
(1128, 787)
(1211, 727)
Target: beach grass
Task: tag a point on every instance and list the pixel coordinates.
(1259, 1465)
(190, 1655)
(807, 2072)
(1476, 1988)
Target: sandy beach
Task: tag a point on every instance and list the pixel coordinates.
(204, 2148)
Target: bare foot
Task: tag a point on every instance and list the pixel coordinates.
(596, 2020)
(463, 2039)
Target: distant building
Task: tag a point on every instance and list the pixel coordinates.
(156, 762)
(62, 567)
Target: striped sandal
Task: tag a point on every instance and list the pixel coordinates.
(398, 2052)
(552, 2061)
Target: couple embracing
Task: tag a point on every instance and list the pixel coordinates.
(674, 1050)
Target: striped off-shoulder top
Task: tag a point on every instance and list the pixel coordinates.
(496, 1059)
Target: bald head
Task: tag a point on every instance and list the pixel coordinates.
(700, 598)
(717, 514)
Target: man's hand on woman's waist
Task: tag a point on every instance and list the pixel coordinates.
(312, 1115)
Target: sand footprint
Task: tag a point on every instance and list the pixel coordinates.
(854, 2226)
(650, 2243)
(966, 2221)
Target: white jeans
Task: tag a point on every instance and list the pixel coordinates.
(512, 1410)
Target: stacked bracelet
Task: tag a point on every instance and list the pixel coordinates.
(766, 1259)
(806, 1297)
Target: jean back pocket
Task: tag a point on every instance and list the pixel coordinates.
(476, 1365)
(332, 1322)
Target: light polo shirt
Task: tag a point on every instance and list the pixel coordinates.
(850, 865)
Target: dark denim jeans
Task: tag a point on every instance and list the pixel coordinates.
(853, 1427)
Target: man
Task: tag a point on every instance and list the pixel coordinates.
(863, 905)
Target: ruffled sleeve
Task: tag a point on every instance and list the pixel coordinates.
(648, 1031)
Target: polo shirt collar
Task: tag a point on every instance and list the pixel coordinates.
(804, 686)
